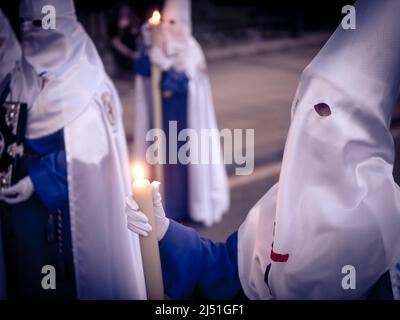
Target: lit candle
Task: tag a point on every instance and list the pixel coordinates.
(142, 191)
(155, 18)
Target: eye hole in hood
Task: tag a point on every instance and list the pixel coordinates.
(323, 109)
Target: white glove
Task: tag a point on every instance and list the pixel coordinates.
(158, 57)
(137, 220)
(19, 192)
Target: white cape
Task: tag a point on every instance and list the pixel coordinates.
(337, 205)
(106, 255)
(208, 183)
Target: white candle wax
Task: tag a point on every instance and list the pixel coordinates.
(143, 194)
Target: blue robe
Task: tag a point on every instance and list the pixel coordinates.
(30, 235)
(174, 91)
(194, 267)
(142, 64)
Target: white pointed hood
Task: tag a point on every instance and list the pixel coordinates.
(63, 57)
(176, 27)
(337, 205)
(180, 12)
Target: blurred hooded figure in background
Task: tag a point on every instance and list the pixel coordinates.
(143, 98)
(330, 229)
(196, 190)
(67, 211)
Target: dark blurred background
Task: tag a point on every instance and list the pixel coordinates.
(216, 23)
(230, 18)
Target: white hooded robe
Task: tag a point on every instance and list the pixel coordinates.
(78, 96)
(337, 207)
(208, 182)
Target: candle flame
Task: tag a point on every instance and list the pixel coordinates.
(137, 171)
(155, 18)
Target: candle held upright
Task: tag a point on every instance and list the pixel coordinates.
(155, 22)
(143, 194)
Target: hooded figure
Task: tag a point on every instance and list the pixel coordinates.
(79, 169)
(342, 212)
(329, 230)
(200, 189)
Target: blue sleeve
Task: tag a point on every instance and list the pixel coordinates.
(174, 81)
(142, 65)
(194, 267)
(49, 172)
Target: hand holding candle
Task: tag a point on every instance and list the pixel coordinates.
(142, 191)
